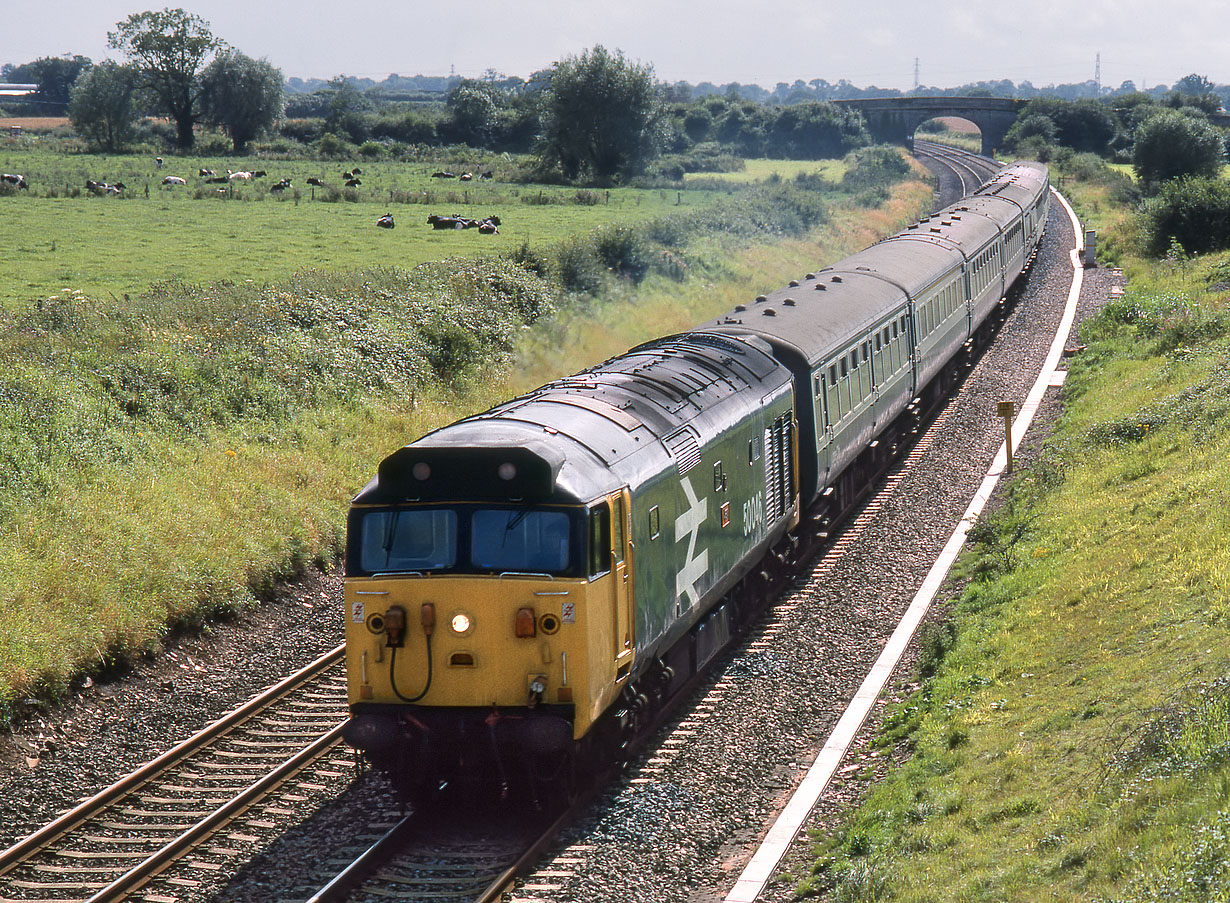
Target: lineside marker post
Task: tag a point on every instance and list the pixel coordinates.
(1005, 410)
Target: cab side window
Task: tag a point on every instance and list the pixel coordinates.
(599, 540)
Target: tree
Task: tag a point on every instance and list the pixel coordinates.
(1194, 85)
(1173, 144)
(242, 96)
(170, 48)
(346, 106)
(473, 107)
(813, 130)
(54, 77)
(602, 116)
(101, 105)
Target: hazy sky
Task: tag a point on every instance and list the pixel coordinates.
(868, 42)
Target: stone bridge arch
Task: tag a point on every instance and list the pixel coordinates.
(892, 120)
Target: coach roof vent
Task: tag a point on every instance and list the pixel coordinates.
(836, 279)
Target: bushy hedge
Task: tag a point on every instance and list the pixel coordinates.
(1190, 213)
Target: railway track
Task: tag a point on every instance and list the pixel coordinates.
(133, 832)
(967, 170)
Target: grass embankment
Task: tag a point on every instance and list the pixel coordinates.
(170, 457)
(1074, 741)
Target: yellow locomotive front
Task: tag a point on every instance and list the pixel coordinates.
(483, 628)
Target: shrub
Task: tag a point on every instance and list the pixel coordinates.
(623, 250)
(333, 146)
(578, 266)
(371, 150)
(1191, 211)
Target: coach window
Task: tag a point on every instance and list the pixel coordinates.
(654, 525)
(599, 540)
(719, 478)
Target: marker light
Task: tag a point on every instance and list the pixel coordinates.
(525, 623)
(507, 470)
(461, 622)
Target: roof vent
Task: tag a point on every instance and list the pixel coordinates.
(837, 279)
(936, 229)
(790, 302)
(761, 299)
(739, 308)
(810, 276)
(794, 283)
(821, 287)
(769, 312)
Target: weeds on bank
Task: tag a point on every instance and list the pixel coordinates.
(1074, 741)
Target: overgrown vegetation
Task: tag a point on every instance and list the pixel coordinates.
(1077, 714)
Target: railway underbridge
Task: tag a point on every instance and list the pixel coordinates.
(894, 119)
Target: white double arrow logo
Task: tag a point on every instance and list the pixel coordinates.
(688, 524)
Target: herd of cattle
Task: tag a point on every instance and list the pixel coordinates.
(487, 225)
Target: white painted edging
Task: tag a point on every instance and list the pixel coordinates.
(781, 835)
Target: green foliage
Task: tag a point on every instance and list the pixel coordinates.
(624, 251)
(1192, 212)
(812, 130)
(55, 77)
(1171, 145)
(169, 48)
(602, 117)
(241, 95)
(102, 105)
(1083, 125)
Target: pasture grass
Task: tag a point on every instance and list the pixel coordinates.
(1074, 741)
(57, 235)
(172, 455)
(765, 169)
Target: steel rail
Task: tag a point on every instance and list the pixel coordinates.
(48, 834)
(159, 860)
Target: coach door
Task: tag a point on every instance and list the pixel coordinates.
(621, 552)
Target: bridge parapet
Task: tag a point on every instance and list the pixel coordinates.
(894, 119)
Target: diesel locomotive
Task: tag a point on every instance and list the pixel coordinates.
(525, 586)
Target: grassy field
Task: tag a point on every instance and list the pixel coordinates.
(170, 455)
(760, 170)
(59, 236)
(1074, 741)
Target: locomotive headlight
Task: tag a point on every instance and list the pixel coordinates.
(461, 623)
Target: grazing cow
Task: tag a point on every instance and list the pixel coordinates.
(208, 173)
(218, 180)
(17, 181)
(357, 171)
(258, 173)
(466, 176)
(349, 174)
(442, 175)
(353, 183)
(102, 188)
(280, 185)
(158, 162)
(174, 180)
(244, 176)
(487, 227)
(486, 176)
(386, 221)
(312, 180)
